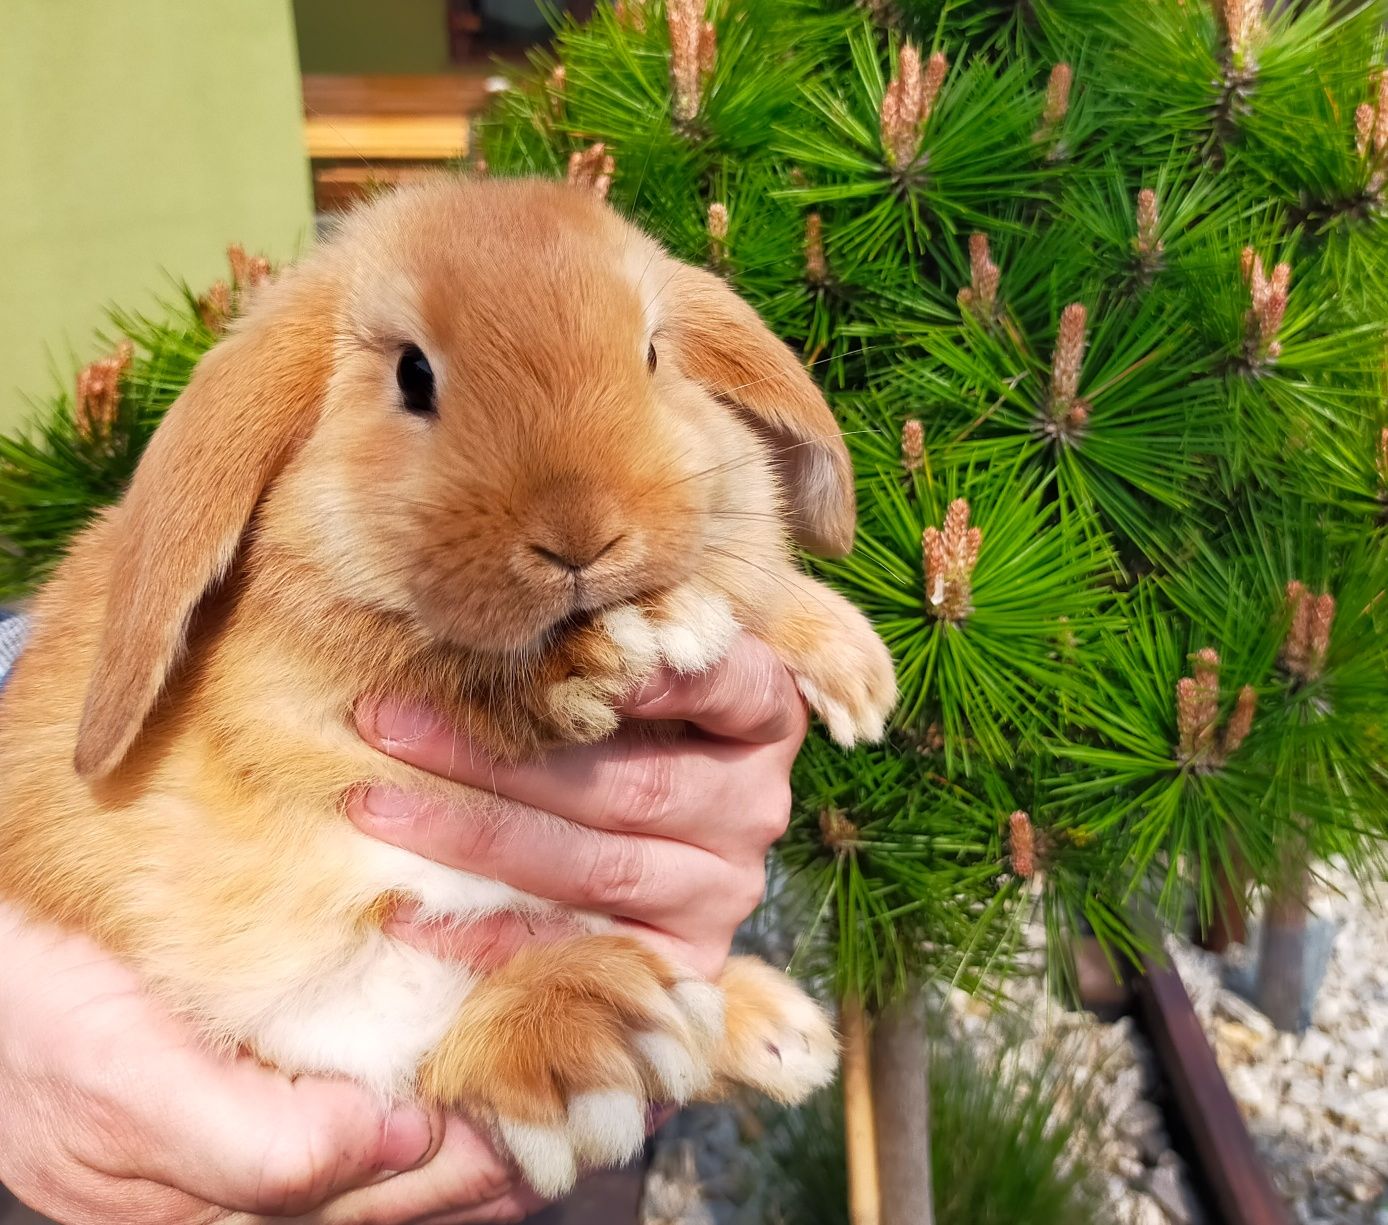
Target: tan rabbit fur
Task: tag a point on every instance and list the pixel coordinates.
(620, 458)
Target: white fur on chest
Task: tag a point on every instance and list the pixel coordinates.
(378, 1009)
(372, 1018)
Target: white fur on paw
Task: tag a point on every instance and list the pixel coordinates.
(584, 706)
(543, 1154)
(678, 1072)
(634, 635)
(790, 1061)
(703, 1007)
(864, 723)
(695, 628)
(607, 1126)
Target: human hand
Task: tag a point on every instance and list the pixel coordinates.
(668, 838)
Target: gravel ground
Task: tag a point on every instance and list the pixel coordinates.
(1316, 1103)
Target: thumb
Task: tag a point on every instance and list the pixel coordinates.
(242, 1136)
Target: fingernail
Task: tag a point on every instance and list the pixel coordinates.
(409, 1138)
(402, 722)
(655, 689)
(389, 803)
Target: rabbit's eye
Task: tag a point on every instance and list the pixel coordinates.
(416, 380)
(650, 358)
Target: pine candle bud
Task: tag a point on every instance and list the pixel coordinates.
(1197, 707)
(632, 14)
(718, 233)
(1264, 318)
(1021, 837)
(214, 307)
(1057, 102)
(1149, 243)
(1365, 120)
(1380, 129)
(912, 445)
(837, 831)
(1383, 461)
(949, 557)
(556, 83)
(1242, 21)
(98, 393)
(592, 169)
(693, 50)
(1308, 632)
(1241, 721)
(907, 103)
(816, 263)
(981, 295)
(1068, 414)
(1371, 134)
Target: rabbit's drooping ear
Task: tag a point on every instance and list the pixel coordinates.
(250, 401)
(722, 343)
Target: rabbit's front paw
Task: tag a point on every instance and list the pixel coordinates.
(687, 629)
(841, 667)
(776, 1038)
(566, 1047)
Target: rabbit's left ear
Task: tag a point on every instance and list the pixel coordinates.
(721, 343)
(251, 401)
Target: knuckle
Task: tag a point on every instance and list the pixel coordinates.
(620, 876)
(771, 817)
(290, 1180)
(749, 892)
(644, 792)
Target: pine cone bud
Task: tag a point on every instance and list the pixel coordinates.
(1241, 721)
(1057, 101)
(816, 263)
(693, 49)
(984, 277)
(718, 233)
(1069, 356)
(1022, 841)
(592, 169)
(950, 556)
(1149, 243)
(837, 831)
(912, 445)
(97, 404)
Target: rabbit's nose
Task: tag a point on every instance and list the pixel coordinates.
(574, 556)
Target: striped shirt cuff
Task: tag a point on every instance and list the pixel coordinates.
(14, 628)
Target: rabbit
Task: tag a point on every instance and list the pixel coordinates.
(491, 448)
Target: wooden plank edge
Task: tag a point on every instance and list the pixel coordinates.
(1229, 1161)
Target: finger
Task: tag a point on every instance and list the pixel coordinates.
(729, 799)
(465, 1181)
(643, 878)
(246, 1138)
(483, 944)
(748, 696)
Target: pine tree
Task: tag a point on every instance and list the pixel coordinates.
(1096, 290)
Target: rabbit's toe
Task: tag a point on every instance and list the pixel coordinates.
(567, 1047)
(777, 1040)
(581, 709)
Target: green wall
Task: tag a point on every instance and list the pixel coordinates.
(137, 138)
(385, 36)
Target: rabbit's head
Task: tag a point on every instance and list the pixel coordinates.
(492, 407)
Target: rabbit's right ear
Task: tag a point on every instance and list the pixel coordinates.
(251, 400)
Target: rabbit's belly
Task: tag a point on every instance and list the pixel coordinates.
(372, 1017)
